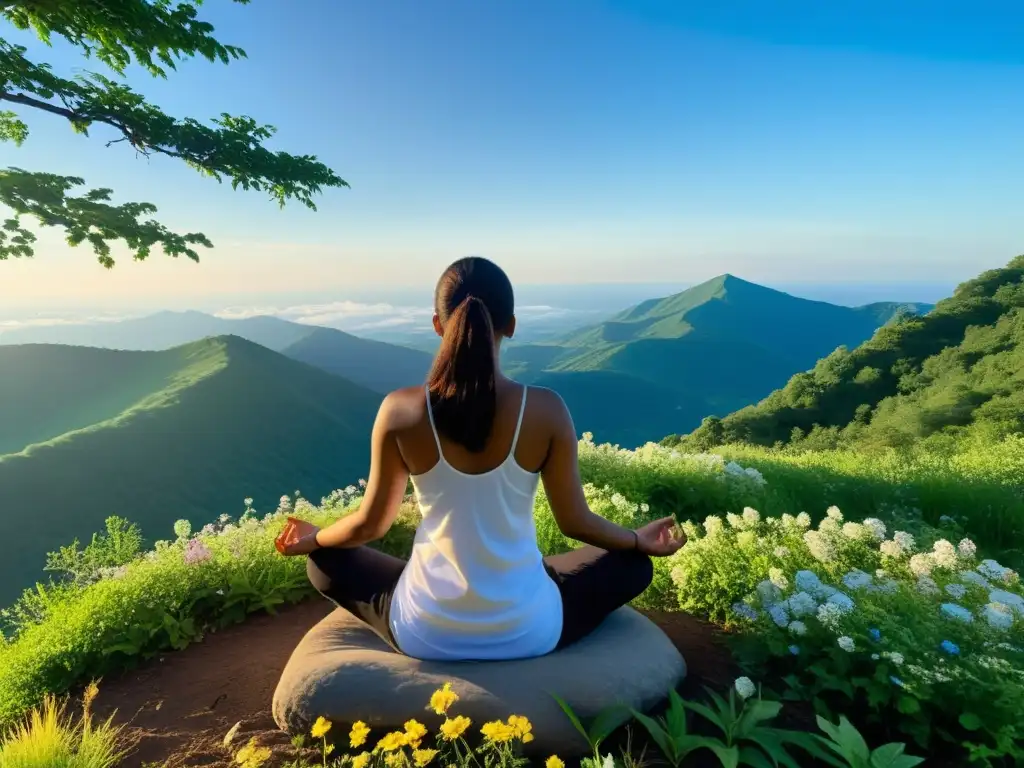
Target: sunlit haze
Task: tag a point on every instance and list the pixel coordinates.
(584, 143)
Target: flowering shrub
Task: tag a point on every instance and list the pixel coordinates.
(857, 620)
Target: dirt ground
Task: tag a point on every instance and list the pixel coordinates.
(179, 707)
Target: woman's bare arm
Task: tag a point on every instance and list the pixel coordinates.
(561, 478)
(385, 487)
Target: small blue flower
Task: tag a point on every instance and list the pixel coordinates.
(951, 648)
(875, 634)
(896, 681)
(795, 650)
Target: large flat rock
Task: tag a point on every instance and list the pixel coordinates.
(343, 671)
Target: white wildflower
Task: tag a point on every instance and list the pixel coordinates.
(905, 541)
(182, 529)
(713, 525)
(751, 516)
(781, 552)
(944, 554)
(778, 578)
(967, 549)
(788, 521)
(834, 513)
(890, 549)
(875, 527)
(921, 565)
(735, 521)
(803, 520)
(830, 615)
(821, 548)
(830, 526)
(798, 628)
(846, 643)
(745, 687)
(855, 531)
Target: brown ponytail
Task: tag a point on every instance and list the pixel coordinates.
(473, 298)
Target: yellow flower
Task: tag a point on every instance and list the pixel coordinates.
(392, 741)
(259, 756)
(521, 727)
(414, 731)
(497, 732)
(423, 756)
(394, 760)
(452, 728)
(320, 727)
(251, 756)
(552, 762)
(361, 760)
(443, 698)
(357, 736)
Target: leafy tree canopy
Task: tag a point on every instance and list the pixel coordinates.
(154, 34)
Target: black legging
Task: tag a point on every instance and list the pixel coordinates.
(593, 582)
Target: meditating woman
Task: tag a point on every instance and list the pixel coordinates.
(475, 444)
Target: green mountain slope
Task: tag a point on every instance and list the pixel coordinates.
(959, 367)
(711, 349)
(373, 364)
(157, 436)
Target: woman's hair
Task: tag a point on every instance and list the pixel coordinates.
(473, 298)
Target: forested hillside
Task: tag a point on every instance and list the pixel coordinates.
(666, 363)
(157, 436)
(958, 369)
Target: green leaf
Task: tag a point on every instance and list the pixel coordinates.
(852, 741)
(754, 712)
(908, 705)
(606, 722)
(729, 757)
(572, 717)
(707, 713)
(659, 735)
(891, 756)
(970, 721)
(754, 757)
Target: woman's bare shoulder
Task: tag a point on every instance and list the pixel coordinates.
(404, 407)
(547, 402)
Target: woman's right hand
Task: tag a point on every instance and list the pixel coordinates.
(660, 538)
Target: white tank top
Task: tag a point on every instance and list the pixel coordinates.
(475, 587)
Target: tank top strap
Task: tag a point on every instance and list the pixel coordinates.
(433, 427)
(519, 423)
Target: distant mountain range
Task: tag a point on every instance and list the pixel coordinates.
(157, 436)
(373, 364)
(957, 371)
(711, 349)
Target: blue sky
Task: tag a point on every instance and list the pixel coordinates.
(579, 141)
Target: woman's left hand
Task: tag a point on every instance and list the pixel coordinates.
(302, 539)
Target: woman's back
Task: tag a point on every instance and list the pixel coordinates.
(475, 586)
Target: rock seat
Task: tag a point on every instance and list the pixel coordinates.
(343, 671)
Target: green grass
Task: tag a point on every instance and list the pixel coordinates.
(62, 635)
(49, 737)
(222, 419)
